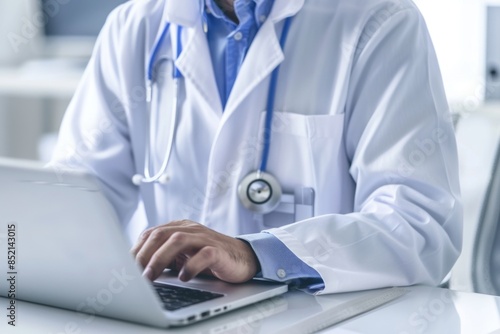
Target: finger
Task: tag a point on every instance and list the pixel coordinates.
(145, 235)
(178, 262)
(177, 243)
(142, 240)
(200, 262)
(154, 241)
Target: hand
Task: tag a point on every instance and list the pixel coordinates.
(194, 248)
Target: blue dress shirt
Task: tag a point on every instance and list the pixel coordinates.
(229, 43)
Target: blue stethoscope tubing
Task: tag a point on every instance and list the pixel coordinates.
(270, 101)
(259, 191)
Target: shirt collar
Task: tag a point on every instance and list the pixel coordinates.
(187, 12)
(214, 9)
(261, 12)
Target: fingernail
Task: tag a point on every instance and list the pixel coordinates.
(148, 273)
(182, 276)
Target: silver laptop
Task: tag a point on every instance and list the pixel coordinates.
(67, 250)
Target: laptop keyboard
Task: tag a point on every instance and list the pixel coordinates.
(174, 297)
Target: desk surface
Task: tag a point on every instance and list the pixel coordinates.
(421, 310)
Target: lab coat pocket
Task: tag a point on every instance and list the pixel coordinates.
(307, 151)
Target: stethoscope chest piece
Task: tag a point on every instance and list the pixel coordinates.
(260, 192)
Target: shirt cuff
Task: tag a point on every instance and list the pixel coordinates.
(280, 264)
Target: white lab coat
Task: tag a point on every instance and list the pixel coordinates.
(361, 117)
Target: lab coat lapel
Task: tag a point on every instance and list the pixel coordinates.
(264, 55)
(196, 66)
(194, 62)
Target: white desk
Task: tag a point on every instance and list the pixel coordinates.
(422, 310)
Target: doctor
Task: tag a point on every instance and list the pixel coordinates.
(295, 140)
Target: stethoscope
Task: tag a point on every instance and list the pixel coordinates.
(259, 191)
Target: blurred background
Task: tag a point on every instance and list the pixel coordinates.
(45, 45)
(44, 48)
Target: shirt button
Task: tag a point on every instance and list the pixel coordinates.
(281, 273)
(238, 36)
(262, 18)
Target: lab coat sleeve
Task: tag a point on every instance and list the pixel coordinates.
(94, 133)
(406, 224)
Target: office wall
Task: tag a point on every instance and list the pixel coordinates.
(18, 36)
(23, 126)
(24, 121)
(458, 29)
(18, 42)
(24, 118)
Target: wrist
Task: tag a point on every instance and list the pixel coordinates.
(250, 258)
